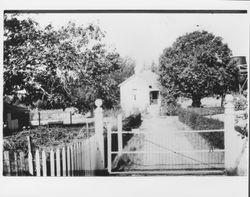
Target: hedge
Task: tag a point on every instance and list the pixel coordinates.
(199, 122)
(206, 111)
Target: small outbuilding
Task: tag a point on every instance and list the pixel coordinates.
(140, 91)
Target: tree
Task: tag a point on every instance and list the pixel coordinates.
(70, 66)
(196, 66)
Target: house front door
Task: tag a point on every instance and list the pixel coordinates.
(154, 95)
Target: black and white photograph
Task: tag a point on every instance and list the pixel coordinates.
(125, 93)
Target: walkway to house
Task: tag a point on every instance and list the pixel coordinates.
(162, 146)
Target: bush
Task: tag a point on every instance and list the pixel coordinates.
(132, 122)
(206, 111)
(44, 138)
(199, 122)
(240, 103)
(170, 109)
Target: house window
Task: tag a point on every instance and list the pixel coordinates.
(134, 94)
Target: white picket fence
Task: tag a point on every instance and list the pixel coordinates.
(79, 158)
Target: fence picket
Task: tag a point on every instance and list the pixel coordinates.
(72, 160)
(109, 148)
(78, 164)
(30, 159)
(22, 164)
(84, 158)
(58, 167)
(81, 145)
(80, 158)
(7, 162)
(38, 170)
(75, 160)
(64, 161)
(44, 163)
(82, 149)
(68, 161)
(82, 167)
(52, 163)
(16, 163)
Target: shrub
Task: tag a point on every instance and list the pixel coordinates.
(170, 109)
(206, 110)
(240, 103)
(44, 138)
(198, 122)
(132, 122)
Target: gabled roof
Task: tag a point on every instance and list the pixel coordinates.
(148, 76)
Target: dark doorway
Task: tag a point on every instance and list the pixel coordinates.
(154, 97)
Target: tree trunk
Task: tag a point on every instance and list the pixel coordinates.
(196, 101)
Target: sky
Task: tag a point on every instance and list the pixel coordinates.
(144, 36)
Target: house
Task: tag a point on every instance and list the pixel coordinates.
(140, 91)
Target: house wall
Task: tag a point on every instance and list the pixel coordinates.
(136, 87)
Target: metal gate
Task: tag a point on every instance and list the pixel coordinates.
(169, 152)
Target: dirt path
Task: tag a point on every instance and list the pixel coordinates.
(162, 146)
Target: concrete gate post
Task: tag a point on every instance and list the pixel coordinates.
(99, 131)
(230, 138)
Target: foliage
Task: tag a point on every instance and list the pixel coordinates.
(197, 65)
(170, 109)
(70, 66)
(240, 103)
(132, 122)
(199, 122)
(241, 120)
(206, 111)
(43, 138)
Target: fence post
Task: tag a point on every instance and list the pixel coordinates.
(99, 130)
(230, 136)
(119, 134)
(30, 159)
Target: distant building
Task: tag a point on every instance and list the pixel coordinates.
(140, 91)
(243, 72)
(15, 117)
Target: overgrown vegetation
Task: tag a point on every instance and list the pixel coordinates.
(44, 138)
(199, 122)
(240, 104)
(206, 111)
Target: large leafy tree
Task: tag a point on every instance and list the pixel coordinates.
(59, 68)
(195, 66)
